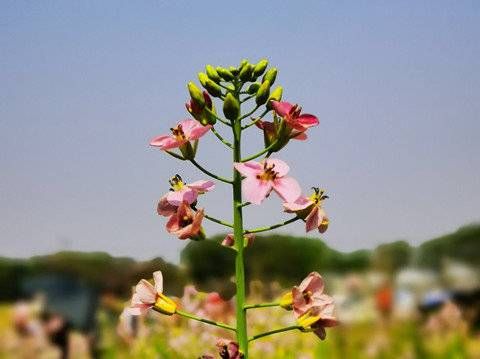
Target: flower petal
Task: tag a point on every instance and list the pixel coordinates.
(306, 120)
(313, 283)
(287, 188)
(279, 166)
(202, 186)
(300, 204)
(193, 129)
(145, 292)
(158, 279)
(186, 194)
(281, 108)
(165, 208)
(311, 222)
(250, 168)
(255, 190)
(166, 142)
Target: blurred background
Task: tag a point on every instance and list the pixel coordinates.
(86, 85)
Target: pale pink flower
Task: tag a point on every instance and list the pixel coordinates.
(229, 240)
(309, 294)
(186, 192)
(186, 223)
(310, 210)
(291, 114)
(263, 177)
(145, 295)
(318, 318)
(184, 132)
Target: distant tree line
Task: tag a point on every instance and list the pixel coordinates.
(276, 257)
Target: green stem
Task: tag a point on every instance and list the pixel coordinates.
(173, 154)
(256, 120)
(203, 320)
(266, 149)
(261, 305)
(248, 114)
(196, 164)
(219, 221)
(264, 229)
(224, 141)
(241, 314)
(275, 331)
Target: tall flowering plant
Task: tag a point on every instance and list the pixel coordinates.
(254, 178)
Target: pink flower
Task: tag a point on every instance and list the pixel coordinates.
(229, 240)
(147, 296)
(291, 114)
(186, 223)
(309, 294)
(184, 192)
(261, 178)
(228, 349)
(182, 134)
(310, 210)
(281, 134)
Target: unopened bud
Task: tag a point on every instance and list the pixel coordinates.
(225, 74)
(213, 89)
(234, 70)
(260, 67)
(202, 77)
(231, 107)
(212, 73)
(275, 95)
(271, 75)
(246, 72)
(263, 93)
(253, 88)
(196, 94)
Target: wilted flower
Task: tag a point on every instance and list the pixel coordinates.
(228, 349)
(182, 134)
(148, 296)
(186, 223)
(278, 132)
(263, 177)
(318, 318)
(310, 210)
(201, 114)
(309, 294)
(229, 240)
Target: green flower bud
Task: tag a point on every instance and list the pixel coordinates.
(202, 77)
(231, 107)
(213, 88)
(260, 67)
(225, 74)
(212, 73)
(253, 88)
(263, 93)
(242, 64)
(234, 70)
(276, 95)
(230, 87)
(271, 75)
(246, 72)
(196, 94)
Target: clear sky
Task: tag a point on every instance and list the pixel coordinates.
(85, 85)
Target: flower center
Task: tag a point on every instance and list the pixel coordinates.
(268, 174)
(178, 133)
(294, 112)
(176, 183)
(307, 295)
(186, 220)
(318, 195)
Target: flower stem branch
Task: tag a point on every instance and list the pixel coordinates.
(261, 305)
(244, 204)
(203, 320)
(254, 121)
(275, 331)
(248, 114)
(224, 141)
(264, 229)
(245, 99)
(265, 150)
(213, 175)
(219, 221)
(173, 154)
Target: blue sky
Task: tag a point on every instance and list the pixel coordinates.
(85, 85)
